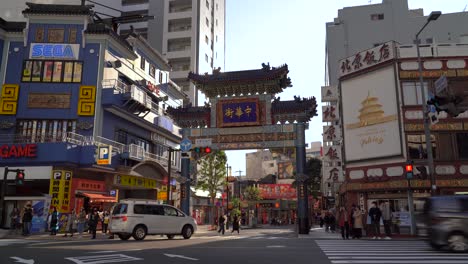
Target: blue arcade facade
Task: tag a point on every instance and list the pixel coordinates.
(82, 112)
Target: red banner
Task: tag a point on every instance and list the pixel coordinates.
(277, 191)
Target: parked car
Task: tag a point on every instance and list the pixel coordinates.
(447, 222)
(139, 218)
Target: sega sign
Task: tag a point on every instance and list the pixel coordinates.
(104, 155)
(54, 51)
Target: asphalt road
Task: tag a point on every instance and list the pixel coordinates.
(251, 246)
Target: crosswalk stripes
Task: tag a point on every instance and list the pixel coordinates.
(7, 242)
(98, 259)
(235, 236)
(386, 252)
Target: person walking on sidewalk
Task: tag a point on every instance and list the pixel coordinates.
(387, 218)
(344, 223)
(236, 224)
(81, 221)
(93, 222)
(105, 222)
(15, 219)
(53, 221)
(70, 223)
(27, 218)
(375, 214)
(357, 224)
(221, 222)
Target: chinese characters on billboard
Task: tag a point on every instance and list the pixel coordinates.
(277, 191)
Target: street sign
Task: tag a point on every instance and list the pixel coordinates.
(203, 142)
(185, 145)
(441, 84)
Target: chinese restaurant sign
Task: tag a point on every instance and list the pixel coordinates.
(277, 191)
(134, 181)
(242, 112)
(60, 190)
(366, 59)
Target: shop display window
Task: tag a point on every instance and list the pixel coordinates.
(52, 71)
(417, 146)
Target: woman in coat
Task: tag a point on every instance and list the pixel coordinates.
(358, 224)
(344, 223)
(54, 222)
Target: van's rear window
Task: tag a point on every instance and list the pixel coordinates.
(120, 208)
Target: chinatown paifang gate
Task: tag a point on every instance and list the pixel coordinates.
(243, 113)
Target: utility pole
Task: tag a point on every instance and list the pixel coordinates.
(240, 172)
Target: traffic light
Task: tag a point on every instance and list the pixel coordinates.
(19, 177)
(206, 150)
(409, 170)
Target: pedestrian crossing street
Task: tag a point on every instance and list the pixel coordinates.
(386, 252)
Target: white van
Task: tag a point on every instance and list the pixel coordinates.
(138, 218)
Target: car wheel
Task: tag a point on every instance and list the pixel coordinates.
(187, 231)
(436, 246)
(458, 242)
(140, 232)
(170, 236)
(124, 237)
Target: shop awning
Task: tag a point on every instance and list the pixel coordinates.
(98, 197)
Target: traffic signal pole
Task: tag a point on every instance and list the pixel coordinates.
(427, 132)
(3, 193)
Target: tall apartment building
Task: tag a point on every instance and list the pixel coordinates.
(190, 34)
(362, 27)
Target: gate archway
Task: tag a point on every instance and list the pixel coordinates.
(243, 113)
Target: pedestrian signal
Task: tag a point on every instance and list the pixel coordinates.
(20, 178)
(409, 170)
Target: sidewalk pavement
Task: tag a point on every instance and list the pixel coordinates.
(317, 232)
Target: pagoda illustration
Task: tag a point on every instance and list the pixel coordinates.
(371, 113)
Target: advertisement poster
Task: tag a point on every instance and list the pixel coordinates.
(370, 116)
(40, 209)
(277, 191)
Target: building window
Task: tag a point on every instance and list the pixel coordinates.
(377, 17)
(412, 93)
(417, 146)
(52, 71)
(134, 2)
(207, 4)
(216, 22)
(160, 77)
(216, 6)
(121, 136)
(56, 35)
(152, 70)
(206, 39)
(462, 145)
(142, 63)
(206, 57)
(216, 38)
(72, 35)
(207, 22)
(40, 131)
(445, 149)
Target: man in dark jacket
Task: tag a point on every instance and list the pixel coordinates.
(93, 222)
(375, 214)
(27, 219)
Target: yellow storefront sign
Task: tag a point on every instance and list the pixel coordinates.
(162, 195)
(60, 190)
(134, 181)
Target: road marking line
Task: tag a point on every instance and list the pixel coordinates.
(99, 252)
(398, 261)
(102, 259)
(276, 246)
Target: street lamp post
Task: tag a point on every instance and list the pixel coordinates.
(227, 187)
(430, 159)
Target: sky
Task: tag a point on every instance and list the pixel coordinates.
(288, 31)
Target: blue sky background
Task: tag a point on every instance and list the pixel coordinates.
(292, 32)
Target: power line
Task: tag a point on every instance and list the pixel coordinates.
(111, 8)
